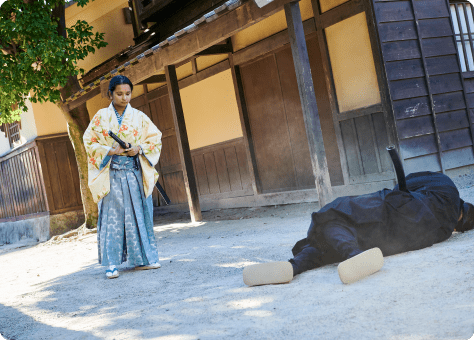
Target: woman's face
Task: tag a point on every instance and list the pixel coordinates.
(121, 96)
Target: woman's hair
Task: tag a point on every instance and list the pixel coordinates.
(118, 80)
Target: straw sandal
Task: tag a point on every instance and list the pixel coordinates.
(360, 266)
(268, 273)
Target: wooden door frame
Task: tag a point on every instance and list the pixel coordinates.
(331, 17)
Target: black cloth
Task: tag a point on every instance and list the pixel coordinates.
(392, 220)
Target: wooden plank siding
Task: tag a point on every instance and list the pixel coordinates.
(425, 84)
(60, 173)
(221, 170)
(22, 191)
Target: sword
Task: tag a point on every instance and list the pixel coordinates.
(157, 184)
(397, 163)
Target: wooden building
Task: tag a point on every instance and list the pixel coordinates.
(269, 102)
(316, 114)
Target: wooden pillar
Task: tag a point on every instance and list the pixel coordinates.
(245, 124)
(183, 143)
(308, 102)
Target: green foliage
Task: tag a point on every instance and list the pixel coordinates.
(36, 61)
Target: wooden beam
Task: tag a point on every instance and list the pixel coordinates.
(156, 78)
(183, 143)
(82, 99)
(208, 72)
(216, 49)
(206, 36)
(270, 44)
(308, 102)
(341, 12)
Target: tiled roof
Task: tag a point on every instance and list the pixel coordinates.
(208, 17)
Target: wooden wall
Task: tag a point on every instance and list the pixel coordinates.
(22, 191)
(61, 176)
(433, 119)
(221, 169)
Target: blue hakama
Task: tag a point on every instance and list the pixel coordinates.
(125, 224)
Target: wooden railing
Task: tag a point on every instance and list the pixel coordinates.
(22, 189)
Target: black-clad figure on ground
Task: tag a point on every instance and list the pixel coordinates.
(394, 221)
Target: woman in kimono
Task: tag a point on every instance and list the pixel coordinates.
(122, 180)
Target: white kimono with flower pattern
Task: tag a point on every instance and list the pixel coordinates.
(136, 129)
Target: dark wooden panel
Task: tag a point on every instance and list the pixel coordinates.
(418, 146)
(294, 118)
(394, 31)
(445, 83)
(442, 65)
(60, 168)
(268, 124)
(201, 175)
(430, 9)
(243, 167)
(452, 120)
(65, 176)
(45, 173)
(211, 171)
(156, 114)
(411, 107)
(174, 186)
(449, 102)
(19, 175)
(35, 184)
(53, 174)
(382, 141)
(469, 85)
(438, 46)
(434, 28)
(166, 118)
(233, 168)
(350, 145)
(457, 158)
(222, 174)
(416, 126)
(401, 50)
(169, 152)
(6, 204)
(455, 139)
(470, 100)
(393, 11)
(408, 88)
(13, 183)
(423, 163)
(405, 69)
(365, 136)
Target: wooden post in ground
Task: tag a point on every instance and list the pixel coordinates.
(308, 102)
(183, 143)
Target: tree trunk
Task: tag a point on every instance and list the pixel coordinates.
(77, 121)
(90, 207)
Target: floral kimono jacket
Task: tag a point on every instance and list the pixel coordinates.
(137, 129)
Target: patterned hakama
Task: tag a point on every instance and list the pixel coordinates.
(125, 225)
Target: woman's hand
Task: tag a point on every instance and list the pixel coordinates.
(116, 149)
(133, 151)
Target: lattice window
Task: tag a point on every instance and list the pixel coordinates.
(12, 132)
(462, 15)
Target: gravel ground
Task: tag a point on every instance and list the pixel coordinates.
(58, 291)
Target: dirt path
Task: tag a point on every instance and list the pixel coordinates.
(58, 291)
